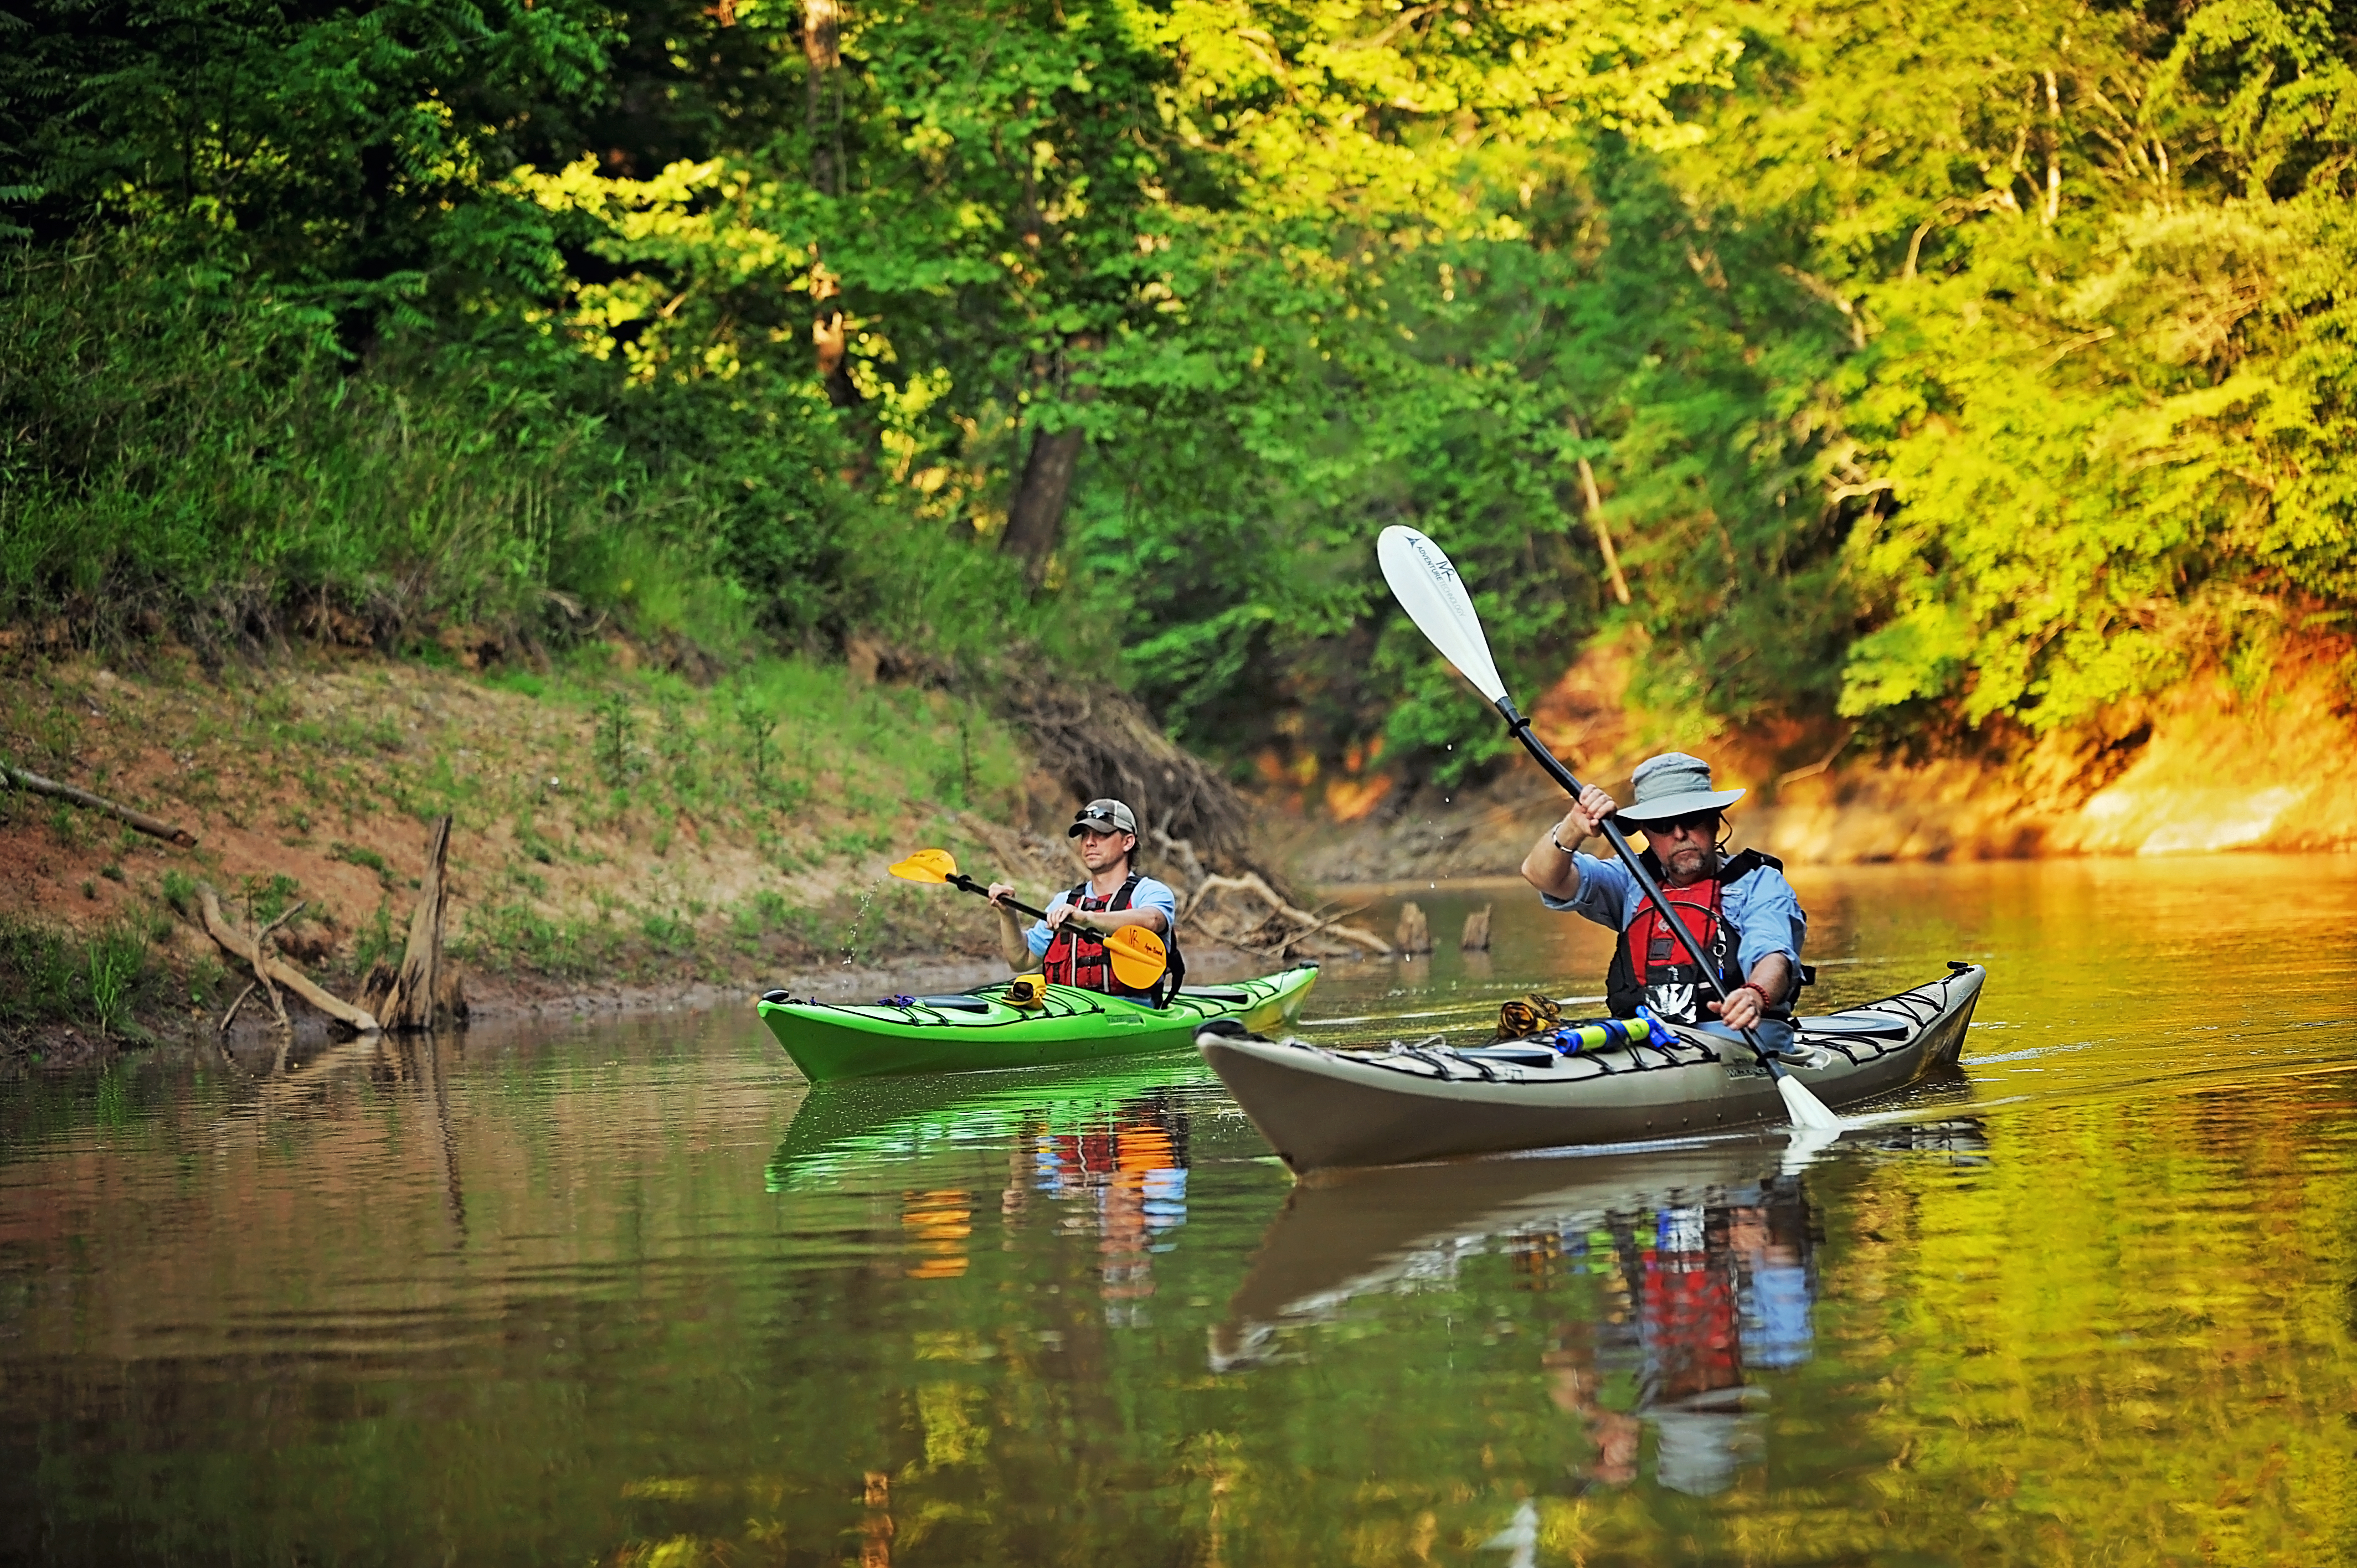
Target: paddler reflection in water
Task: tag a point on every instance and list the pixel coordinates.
(1712, 1291)
(1069, 945)
(1744, 916)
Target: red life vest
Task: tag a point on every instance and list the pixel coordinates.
(1078, 957)
(1651, 966)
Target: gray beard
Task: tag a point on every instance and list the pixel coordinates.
(1710, 865)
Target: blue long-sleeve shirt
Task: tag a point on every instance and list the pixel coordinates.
(1760, 903)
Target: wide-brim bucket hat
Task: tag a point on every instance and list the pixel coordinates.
(1674, 784)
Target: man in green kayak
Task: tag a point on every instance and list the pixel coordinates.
(1741, 912)
(1069, 945)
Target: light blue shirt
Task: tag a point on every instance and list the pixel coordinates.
(1760, 903)
(1147, 894)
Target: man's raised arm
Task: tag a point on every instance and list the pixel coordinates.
(1550, 867)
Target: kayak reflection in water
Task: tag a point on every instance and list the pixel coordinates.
(1068, 946)
(1713, 1291)
(1739, 909)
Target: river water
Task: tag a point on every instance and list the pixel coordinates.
(633, 1293)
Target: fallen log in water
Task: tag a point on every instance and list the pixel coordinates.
(271, 972)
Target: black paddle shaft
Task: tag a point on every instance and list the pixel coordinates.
(1620, 843)
(959, 879)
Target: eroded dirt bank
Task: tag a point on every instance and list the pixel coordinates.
(623, 839)
(619, 839)
(2205, 768)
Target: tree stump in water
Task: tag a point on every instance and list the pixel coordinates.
(1477, 932)
(1415, 933)
(423, 992)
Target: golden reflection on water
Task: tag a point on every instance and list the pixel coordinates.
(632, 1295)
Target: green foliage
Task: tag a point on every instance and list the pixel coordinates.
(180, 891)
(267, 898)
(113, 963)
(508, 937)
(617, 730)
(360, 855)
(2099, 278)
(51, 974)
(1933, 363)
(376, 941)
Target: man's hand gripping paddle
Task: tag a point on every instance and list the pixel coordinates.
(1137, 955)
(1428, 588)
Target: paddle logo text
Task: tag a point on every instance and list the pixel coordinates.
(1428, 554)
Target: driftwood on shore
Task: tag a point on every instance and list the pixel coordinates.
(270, 971)
(423, 992)
(1244, 912)
(33, 783)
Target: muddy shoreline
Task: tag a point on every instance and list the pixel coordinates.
(504, 1001)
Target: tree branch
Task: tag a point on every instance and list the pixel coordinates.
(83, 798)
(269, 968)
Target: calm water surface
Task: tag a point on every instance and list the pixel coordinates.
(636, 1295)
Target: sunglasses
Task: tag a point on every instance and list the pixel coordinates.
(1702, 824)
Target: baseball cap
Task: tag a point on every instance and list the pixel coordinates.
(1106, 816)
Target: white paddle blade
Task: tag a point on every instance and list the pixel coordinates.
(1428, 588)
(1808, 1112)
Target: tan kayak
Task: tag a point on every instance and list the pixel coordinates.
(1322, 1109)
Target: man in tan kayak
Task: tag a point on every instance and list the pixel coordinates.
(1069, 945)
(1741, 912)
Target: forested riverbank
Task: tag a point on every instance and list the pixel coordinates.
(1890, 394)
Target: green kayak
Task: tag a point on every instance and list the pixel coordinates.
(980, 1030)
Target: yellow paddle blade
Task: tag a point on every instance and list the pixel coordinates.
(926, 865)
(1138, 957)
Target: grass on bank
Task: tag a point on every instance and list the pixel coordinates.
(614, 824)
(52, 974)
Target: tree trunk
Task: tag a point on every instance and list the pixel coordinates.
(827, 337)
(821, 104)
(84, 799)
(1035, 517)
(423, 992)
(822, 122)
(1595, 520)
(1035, 523)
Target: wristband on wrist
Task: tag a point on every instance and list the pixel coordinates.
(1561, 847)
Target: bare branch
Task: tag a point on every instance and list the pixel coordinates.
(152, 826)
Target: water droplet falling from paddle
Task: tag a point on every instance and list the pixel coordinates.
(851, 937)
